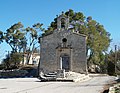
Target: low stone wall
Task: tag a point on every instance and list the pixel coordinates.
(76, 77)
(13, 73)
(29, 72)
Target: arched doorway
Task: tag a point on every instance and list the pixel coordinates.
(65, 62)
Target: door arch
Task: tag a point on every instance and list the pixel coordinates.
(65, 62)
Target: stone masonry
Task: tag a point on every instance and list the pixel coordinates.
(63, 49)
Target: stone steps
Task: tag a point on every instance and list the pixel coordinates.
(47, 77)
(50, 75)
(69, 76)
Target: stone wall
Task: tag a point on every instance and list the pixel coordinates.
(48, 54)
(77, 51)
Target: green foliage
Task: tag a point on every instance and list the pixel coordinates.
(112, 63)
(12, 61)
(1, 37)
(16, 58)
(14, 36)
(32, 35)
(117, 89)
(20, 40)
(1, 66)
(6, 62)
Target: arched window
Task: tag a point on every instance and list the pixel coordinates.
(64, 40)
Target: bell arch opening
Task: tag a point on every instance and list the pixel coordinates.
(63, 23)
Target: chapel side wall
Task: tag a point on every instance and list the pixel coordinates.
(79, 53)
(48, 54)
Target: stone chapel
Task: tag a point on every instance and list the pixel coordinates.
(63, 49)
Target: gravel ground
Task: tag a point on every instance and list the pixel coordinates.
(33, 85)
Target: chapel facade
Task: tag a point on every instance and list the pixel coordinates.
(64, 49)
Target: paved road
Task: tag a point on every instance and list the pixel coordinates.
(32, 85)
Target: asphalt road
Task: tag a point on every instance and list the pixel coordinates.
(33, 85)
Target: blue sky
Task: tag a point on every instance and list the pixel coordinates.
(106, 12)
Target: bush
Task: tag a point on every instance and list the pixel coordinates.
(1, 66)
(111, 68)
